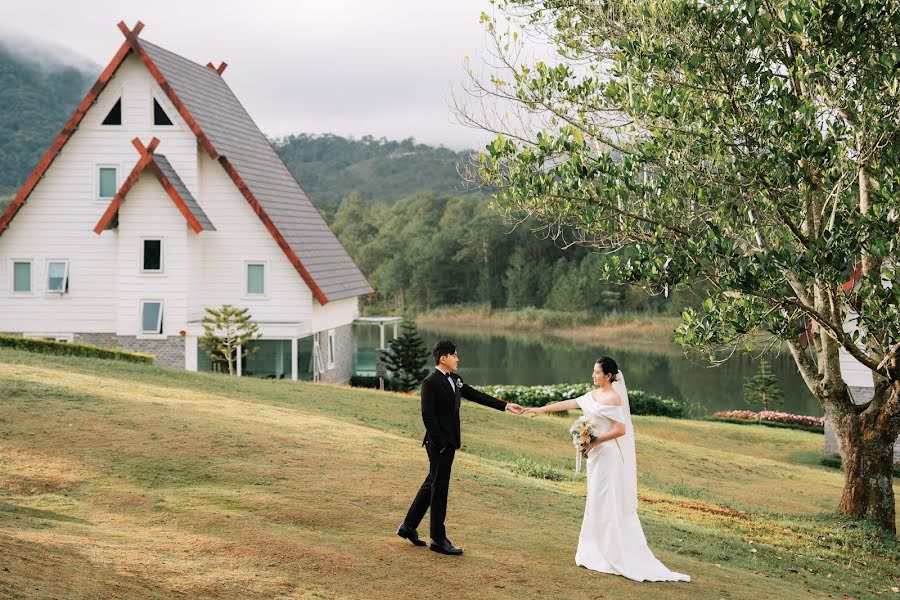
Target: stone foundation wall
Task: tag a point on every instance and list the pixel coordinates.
(345, 343)
(169, 352)
(860, 395)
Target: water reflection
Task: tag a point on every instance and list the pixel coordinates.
(499, 359)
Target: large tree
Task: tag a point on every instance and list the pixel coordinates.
(749, 147)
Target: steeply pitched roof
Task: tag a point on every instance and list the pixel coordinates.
(227, 133)
(173, 185)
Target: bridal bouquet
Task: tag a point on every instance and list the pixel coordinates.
(582, 432)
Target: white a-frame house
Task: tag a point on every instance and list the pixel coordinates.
(162, 197)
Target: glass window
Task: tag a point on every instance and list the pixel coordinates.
(331, 349)
(22, 276)
(256, 278)
(108, 182)
(152, 260)
(159, 115)
(114, 117)
(151, 316)
(58, 276)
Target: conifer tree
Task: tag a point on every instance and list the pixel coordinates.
(224, 330)
(406, 358)
(763, 389)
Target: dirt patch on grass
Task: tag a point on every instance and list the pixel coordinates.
(701, 507)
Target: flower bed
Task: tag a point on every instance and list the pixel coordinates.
(641, 403)
(771, 417)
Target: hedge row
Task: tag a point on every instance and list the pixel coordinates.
(641, 403)
(70, 349)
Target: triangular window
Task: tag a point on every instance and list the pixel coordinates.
(115, 114)
(159, 115)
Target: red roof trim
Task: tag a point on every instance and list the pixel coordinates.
(132, 43)
(146, 161)
(279, 239)
(220, 69)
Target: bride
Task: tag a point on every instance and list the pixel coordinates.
(612, 540)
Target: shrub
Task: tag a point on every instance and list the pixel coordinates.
(371, 382)
(641, 403)
(69, 349)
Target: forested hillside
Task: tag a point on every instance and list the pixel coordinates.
(36, 99)
(330, 167)
(429, 250)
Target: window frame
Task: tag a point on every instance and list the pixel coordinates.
(164, 104)
(12, 269)
(116, 94)
(97, 168)
(160, 322)
(331, 356)
(247, 294)
(66, 274)
(162, 255)
(109, 108)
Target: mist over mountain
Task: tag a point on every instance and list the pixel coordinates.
(42, 84)
(39, 90)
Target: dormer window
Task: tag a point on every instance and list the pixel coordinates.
(159, 115)
(114, 117)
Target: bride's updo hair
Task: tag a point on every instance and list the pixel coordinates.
(609, 367)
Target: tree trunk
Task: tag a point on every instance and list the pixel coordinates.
(867, 452)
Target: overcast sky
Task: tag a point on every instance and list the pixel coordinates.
(349, 67)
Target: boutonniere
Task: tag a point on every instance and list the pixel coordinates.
(458, 381)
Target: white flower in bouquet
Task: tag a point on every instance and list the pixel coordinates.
(583, 432)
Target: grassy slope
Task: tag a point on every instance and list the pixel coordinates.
(129, 481)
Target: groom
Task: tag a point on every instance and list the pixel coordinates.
(441, 393)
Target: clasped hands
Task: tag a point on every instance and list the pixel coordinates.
(514, 408)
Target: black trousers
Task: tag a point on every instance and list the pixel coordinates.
(433, 493)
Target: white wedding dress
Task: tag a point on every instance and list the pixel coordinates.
(611, 539)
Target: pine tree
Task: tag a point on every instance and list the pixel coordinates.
(224, 330)
(763, 389)
(406, 358)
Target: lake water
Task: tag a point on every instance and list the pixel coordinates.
(502, 359)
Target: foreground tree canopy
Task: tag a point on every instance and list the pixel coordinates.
(749, 146)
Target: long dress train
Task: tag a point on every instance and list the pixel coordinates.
(612, 539)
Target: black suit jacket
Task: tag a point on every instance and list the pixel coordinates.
(440, 407)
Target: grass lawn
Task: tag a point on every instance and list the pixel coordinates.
(128, 481)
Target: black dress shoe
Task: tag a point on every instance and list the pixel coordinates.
(405, 531)
(445, 547)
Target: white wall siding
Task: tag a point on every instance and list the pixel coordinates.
(57, 220)
(240, 237)
(148, 212)
(334, 314)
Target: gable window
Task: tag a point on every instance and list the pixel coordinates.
(151, 256)
(256, 279)
(22, 277)
(332, 351)
(108, 182)
(159, 114)
(58, 276)
(114, 117)
(151, 317)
